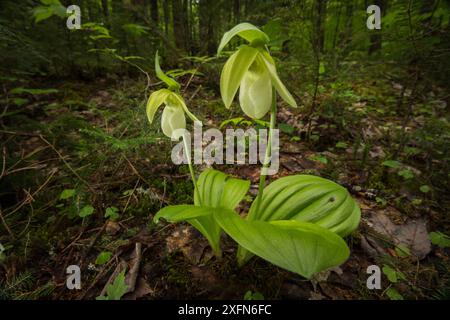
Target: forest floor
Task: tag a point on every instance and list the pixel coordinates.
(88, 145)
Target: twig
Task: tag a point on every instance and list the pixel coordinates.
(67, 164)
(6, 225)
(135, 171)
(134, 270)
(195, 92)
(131, 194)
(4, 163)
(31, 196)
(91, 244)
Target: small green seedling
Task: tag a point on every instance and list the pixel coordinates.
(103, 257)
(115, 290)
(249, 295)
(439, 239)
(112, 213)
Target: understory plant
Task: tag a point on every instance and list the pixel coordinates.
(296, 222)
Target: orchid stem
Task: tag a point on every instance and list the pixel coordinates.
(268, 155)
(187, 151)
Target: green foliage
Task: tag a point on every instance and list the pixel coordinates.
(301, 247)
(439, 239)
(171, 83)
(286, 223)
(66, 194)
(118, 144)
(392, 164)
(406, 174)
(21, 287)
(286, 128)
(86, 211)
(392, 274)
(103, 257)
(117, 289)
(393, 294)
(135, 30)
(97, 31)
(215, 189)
(402, 251)
(112, 213)
(307, 199)
(250, 295)
(33, 91)
(48, 9)
(319, 158)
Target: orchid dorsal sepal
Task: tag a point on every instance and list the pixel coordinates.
(246, 31)
(171, 83)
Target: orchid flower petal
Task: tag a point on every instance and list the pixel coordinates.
(182, 104)
(255, 93)
(156, 99)
(233, 72)
(276, 81)
(172, 119)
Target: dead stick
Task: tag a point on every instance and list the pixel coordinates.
(66, 163)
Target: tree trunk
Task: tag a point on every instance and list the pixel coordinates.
(319, 22)
(154, 11)
(105, 11)
(166, 16)
(178, 24)
(237, 11)
(375, 35)
(206, 30)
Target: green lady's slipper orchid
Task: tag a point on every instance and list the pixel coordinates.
(173, 117)
(252, 69)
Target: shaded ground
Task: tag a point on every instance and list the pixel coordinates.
(93, 139)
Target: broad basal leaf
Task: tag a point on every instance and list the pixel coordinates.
(311, 199)
(306, 198)
(216, 189)
(300, 247)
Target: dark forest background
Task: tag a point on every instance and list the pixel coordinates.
(83, 172)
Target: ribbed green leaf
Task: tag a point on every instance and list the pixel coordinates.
(300, 247)
(246, 31)
(171, 83)
(155, 100)
(306, 198)
(233, 72)
(199, 217)
(276, 81)
(181, 213)
(310, 199)
(216, 189)
(210, 184)
(233, 192)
